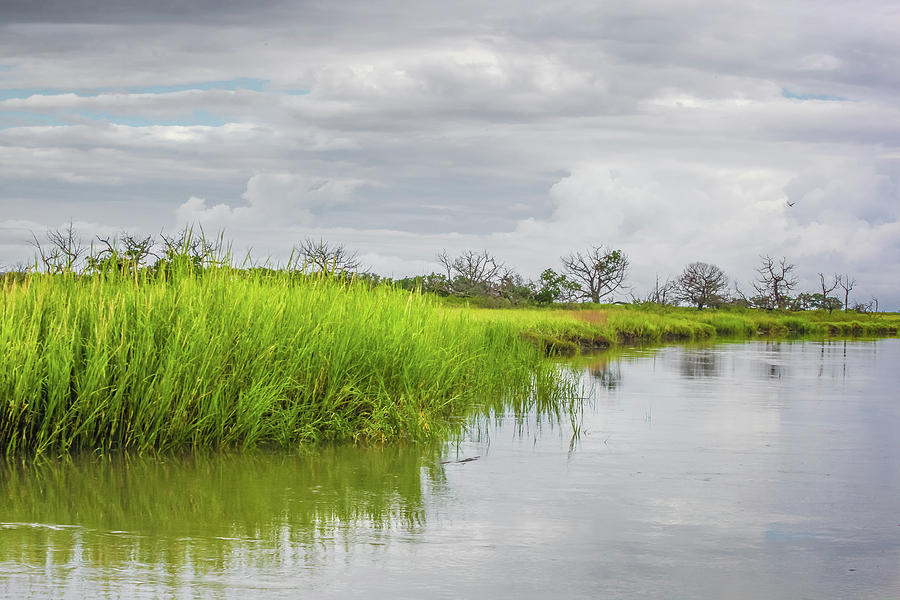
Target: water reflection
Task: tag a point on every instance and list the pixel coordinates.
(771, 363)
(605, 369)
(197, 514)
(700, 363)
(767, 359)
(833, 356)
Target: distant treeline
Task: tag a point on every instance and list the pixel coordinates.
(596, 274)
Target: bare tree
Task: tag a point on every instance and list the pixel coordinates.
(827, 290)
(701, 284)
(326, 258)
(63, 251)
(129, 252)
(661, 293)
(513, 287)
(137, 250)
(599, 271)
(21, 268)
(739, 296)
(196, 251)
(473, 272)
(846, 284)
(775, 280)
(14, 274)
(863, 307)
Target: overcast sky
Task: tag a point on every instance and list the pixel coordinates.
(677, 131)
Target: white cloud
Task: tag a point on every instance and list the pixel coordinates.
(845, 192)
(279, 199)
(669, 215)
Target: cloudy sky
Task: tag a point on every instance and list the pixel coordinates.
(676, 131)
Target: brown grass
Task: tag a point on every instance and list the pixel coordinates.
(600, 317)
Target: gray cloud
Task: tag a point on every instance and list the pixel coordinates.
(159, 12)
(678, 132)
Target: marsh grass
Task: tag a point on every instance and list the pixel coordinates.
(227, 358)
(570, 331)
(221, 357)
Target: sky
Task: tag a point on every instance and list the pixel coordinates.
(687, 131)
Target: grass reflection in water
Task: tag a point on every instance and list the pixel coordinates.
(205, 511)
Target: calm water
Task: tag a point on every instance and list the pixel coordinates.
(752, 470)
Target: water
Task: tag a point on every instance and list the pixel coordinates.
(749, 470)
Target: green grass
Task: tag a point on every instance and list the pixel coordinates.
(568, 331)
(226, 359)
(230, 358)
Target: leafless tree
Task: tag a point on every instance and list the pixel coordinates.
(129, 252)
(776, 280)
(599, 271)
(14, 274)
(864, 308)
(513, 287)
(473, 272)
(846, 283)
(661, 293)
(701, 284)
(21, 268)
(63, 250)
(826, 289)
(182, 243)
(196, 249)
(739, 295)
(138, 249)
(327, 258)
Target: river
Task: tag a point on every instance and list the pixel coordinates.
(758, 469)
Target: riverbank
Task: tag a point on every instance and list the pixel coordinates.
(227, 358)
(567, 332)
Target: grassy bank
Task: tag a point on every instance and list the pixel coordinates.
(227, 359)
(230, 358)
(567, 332)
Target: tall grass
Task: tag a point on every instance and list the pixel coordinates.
(227, 358)
(223, 357)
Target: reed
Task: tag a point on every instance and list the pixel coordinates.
(229, 358)
(223, 357)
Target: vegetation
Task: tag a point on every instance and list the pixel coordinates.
(475, 276)
(775, 281)
(555, 287)
(323, 257)
(823, 301)
(228, 357)
(130, 345)
(587, 327)
(701, 284)
(597, 272)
